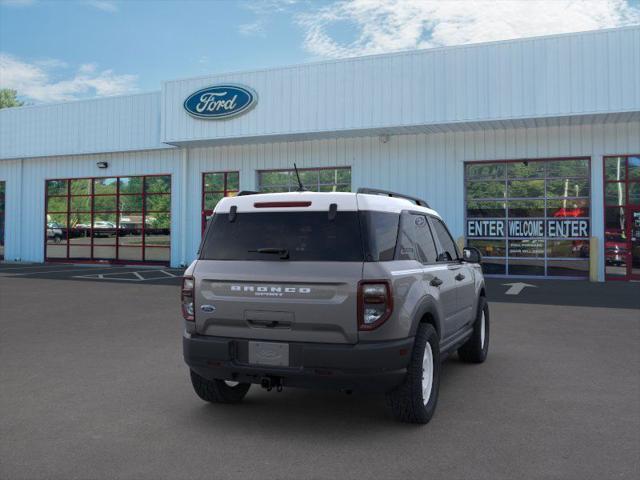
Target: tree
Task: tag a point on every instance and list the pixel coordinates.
(8, 98)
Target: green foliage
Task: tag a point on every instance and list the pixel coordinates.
(8, 98)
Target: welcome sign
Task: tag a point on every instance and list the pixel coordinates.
(220, 101)
(528, 228)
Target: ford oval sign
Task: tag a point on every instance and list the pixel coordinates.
(220, 101)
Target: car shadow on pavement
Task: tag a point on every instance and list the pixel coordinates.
(317, 413)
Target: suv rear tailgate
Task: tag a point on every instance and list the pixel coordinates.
(280, 301)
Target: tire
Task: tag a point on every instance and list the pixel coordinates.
(475, 349)
(218, 391)
(415, 400)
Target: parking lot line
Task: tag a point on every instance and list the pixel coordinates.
(41, 272)
(120, 276)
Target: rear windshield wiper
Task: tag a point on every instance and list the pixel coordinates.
(283, 252)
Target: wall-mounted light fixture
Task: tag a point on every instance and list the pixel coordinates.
(102, 164)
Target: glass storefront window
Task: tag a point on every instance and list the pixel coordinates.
(615, 168)
(486, 189)
(568, 188)
(485, 209)
(109, 219)
(634, 193)
(526, 248)
(574, 207)
(525, 188)
(525, 215)
(525, 169)
(622, 217)
(486, 171)
(568, 168)
(489, 248)
(614, 193)
(215, 186)
(314, 179)
(633, 168)
(526, 208)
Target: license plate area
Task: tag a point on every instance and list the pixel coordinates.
(269, 353)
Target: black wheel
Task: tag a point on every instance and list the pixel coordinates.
(415, 400)
(476, 348)
(218, 391)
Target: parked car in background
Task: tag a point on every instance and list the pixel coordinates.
(54, 232)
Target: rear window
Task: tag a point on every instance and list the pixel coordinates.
(305, 236)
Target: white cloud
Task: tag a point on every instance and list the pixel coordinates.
(252, 29)
(269, 6)
(104, 5)
(389, 25)
(36, 81)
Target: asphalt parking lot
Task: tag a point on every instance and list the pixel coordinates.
(93, 386)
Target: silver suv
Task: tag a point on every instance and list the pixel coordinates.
(358, 291)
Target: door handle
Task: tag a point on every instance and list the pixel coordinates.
(436, 282)
(459, 277)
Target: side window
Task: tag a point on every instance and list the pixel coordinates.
(415, 241)
(449, 249)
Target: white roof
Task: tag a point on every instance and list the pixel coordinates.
(318, 201)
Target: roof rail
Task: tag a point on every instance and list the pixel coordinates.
(387, 193)
(242, 193)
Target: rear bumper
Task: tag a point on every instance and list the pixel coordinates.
(372, 367)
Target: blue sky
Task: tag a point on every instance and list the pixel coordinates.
(63, 50)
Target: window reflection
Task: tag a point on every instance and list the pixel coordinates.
(314, 179)
(537, 204)
(615, 168)
(614, 193)
(489, 248)
(526, 169)
(106, 218)
(215, 186)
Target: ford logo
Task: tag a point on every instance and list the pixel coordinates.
(220, 101)
(208, 308)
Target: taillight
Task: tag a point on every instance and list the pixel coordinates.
(186, 297)
(375, 303)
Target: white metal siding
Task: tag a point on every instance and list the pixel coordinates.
(547, 77)
(426, 165)
(90, 126)
(25, 202)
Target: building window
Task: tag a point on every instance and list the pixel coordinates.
(530, 217)
(622, 217)
(120, 219)
(2, 211)
(215, 186)
(314, 179)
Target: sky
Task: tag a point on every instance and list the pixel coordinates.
(59, 50)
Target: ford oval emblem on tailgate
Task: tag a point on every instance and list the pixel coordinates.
(208, 308)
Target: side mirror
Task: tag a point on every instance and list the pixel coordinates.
(471, 255)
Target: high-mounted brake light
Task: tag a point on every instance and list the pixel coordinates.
(281, 204)
(186, 298)
(375, 303)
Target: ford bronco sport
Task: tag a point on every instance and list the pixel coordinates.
(358, 291)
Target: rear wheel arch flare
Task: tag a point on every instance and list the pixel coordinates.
(426, 312)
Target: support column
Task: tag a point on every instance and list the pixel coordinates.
(184, 204)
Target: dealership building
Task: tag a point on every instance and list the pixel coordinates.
(529, 149)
